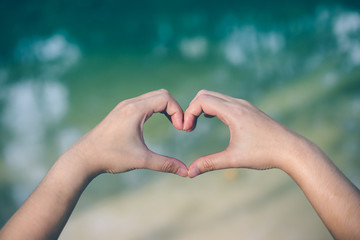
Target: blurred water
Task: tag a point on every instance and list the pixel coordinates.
(63, 66)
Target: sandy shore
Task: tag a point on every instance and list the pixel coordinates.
(244, 204)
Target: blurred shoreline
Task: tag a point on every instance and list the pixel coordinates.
(253, 205)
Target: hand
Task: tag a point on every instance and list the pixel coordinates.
(256, 140)
(117, 144)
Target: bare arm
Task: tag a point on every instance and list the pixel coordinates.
(259, 142)
(115, 145)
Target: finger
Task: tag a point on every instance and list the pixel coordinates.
(137, 99)
(211, 93)
(203, 92)
(163, 101)
(162, 163)
(208, 163)
(149, 94)
(190, 121)
(210, 105)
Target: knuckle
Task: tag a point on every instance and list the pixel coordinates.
(246, 103)
(202, 92)
(202, 97)
(188, 110)
(163, 91)
(168, 166)
(123, 103)
(164, 94)
(208, 164)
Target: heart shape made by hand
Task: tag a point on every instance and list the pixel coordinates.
(210, 136)
(250, 133)
(251, 136)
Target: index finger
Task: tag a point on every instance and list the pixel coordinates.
(162, 101)
(207, 104)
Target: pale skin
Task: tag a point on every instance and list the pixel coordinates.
(116, 145)
(259, 142)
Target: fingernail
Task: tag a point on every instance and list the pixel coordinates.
(182, 172)
(193, 172)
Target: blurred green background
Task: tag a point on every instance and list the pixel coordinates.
(65, 64)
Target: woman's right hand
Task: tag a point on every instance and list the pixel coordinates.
(256, 140)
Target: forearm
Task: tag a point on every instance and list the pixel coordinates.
(45, 213)
(333, 196)
(115, 145)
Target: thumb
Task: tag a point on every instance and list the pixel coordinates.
(209, 163)
(162, 163)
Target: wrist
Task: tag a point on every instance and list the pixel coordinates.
(76, 167)
(295, 150)
(302, 156)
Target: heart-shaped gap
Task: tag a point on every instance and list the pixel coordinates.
(209, 136)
